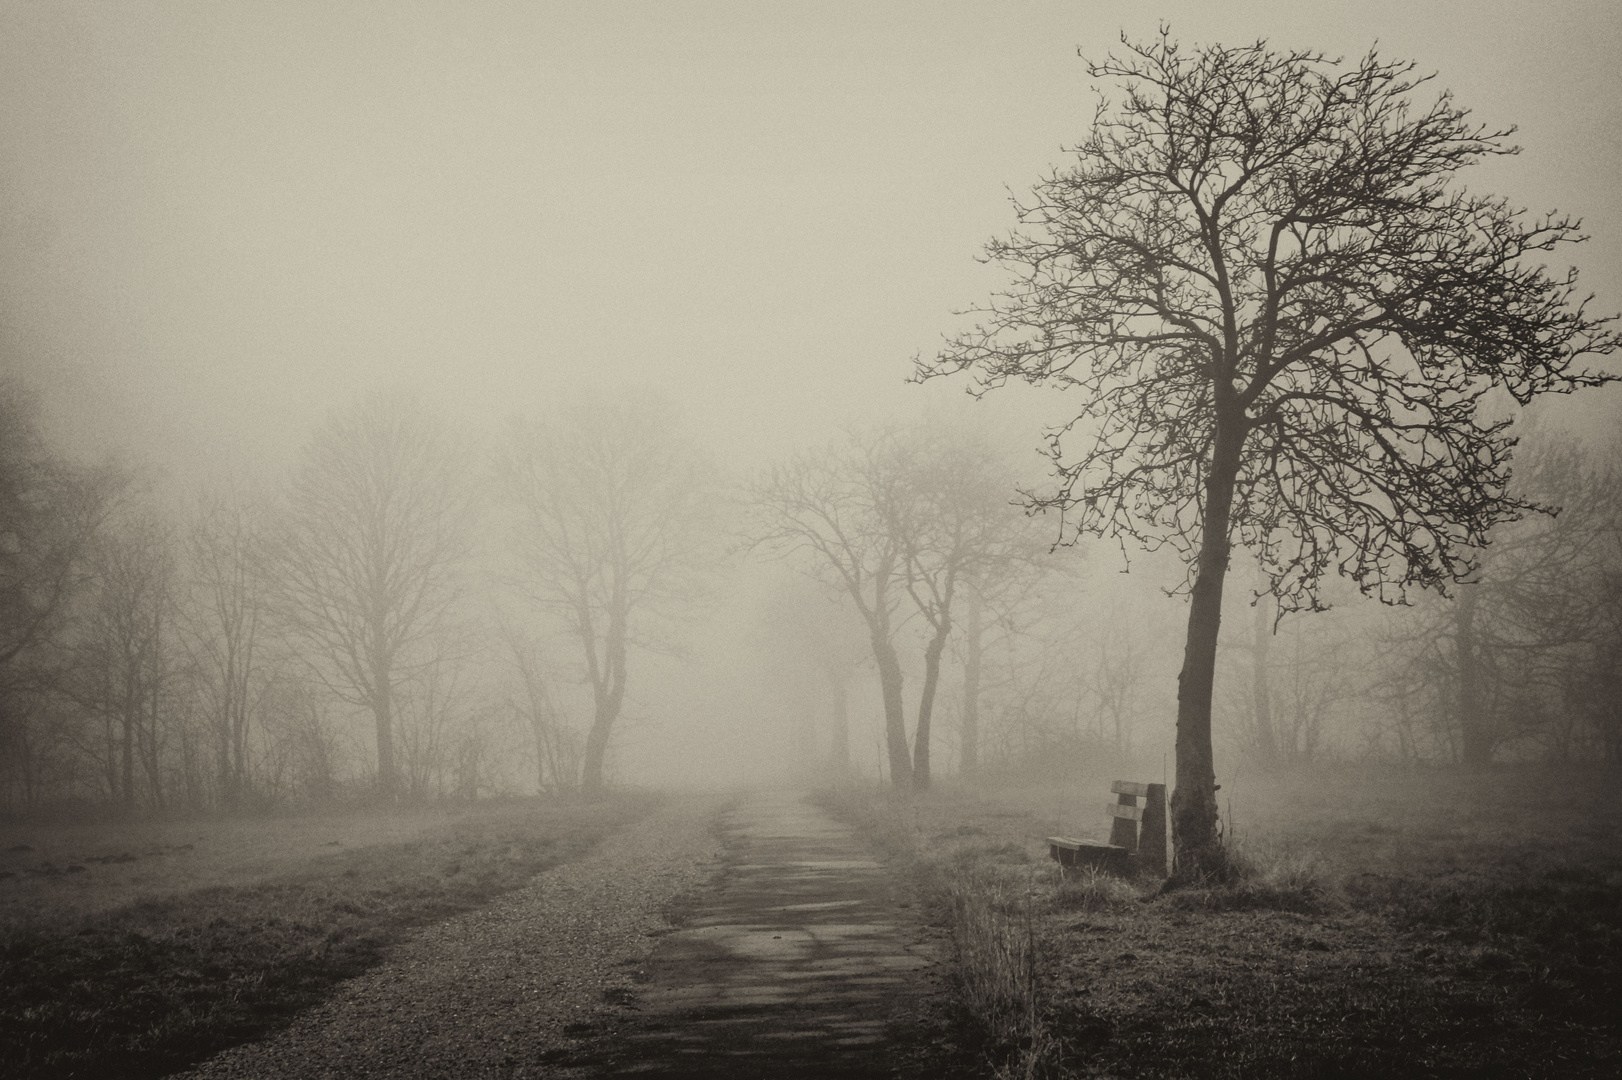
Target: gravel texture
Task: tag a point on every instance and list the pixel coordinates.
(503, 990)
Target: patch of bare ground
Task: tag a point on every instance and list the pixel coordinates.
(173, 941)
(1384, 924)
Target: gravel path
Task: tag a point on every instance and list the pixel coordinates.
(504, 990)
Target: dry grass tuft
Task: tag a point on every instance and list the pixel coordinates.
(1268, 877)
(1090, 889)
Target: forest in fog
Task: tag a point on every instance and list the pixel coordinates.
(417, 611)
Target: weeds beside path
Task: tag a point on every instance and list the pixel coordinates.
(1441, 944)
(146, 988)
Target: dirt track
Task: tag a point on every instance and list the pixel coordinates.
(754, 939)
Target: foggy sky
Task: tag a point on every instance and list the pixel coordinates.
(217, 220)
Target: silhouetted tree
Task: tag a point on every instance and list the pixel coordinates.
(918, 513)
(1281, 319)
(614, 508)
(366, 561)
(843, 508)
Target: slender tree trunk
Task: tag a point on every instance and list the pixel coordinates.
(1261, 694)
(895, 721)
(1198, 849)
(974, 650)
(926, 705)
(1475, 736)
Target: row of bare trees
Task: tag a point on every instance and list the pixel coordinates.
(452, 595)
(910, 525)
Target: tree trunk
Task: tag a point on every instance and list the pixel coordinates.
(591, 774)
(1475, 734)
(974, 649)
(926, 705)
(1261, 695)
(895, 721)
(1198, 850)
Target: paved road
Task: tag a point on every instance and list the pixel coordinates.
(802, 958)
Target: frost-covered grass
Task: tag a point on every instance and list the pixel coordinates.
(1381, 923)
(123, 978)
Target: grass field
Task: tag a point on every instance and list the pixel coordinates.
(136, 950)
(1390, 924)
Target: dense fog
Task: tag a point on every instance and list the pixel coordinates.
(432, 402)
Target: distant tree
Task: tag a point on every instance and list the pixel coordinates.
(224, 629)
(367, 557)
(51, 513)
(1282, 320)
(613, 513)
(814, 645)
(958, 530)
(1510, 659)
(889, 516)
(532, 702)
(124, 658)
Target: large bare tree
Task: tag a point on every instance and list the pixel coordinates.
(614, 509)
(1281, 317)
(366, 561)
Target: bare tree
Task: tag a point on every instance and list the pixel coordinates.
(123, 660)
(897, 514)
(366, 561)
(224, 629)
(843, 508)
(51, 514)
(1283, 321)
(614, 509)
(556, 745)
(813, 645)
(956, 528)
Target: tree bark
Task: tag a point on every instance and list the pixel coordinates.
(1198, 850)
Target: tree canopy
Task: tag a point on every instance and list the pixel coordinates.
(1283, 320)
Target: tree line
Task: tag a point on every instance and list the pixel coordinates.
(162, 653)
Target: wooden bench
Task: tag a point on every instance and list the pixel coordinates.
(1137, 841)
